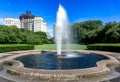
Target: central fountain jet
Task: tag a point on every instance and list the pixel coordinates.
(62, 30)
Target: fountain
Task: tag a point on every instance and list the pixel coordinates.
(62, 60)
(62, 30)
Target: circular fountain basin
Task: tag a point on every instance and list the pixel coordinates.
(69, 60)
(68, 67)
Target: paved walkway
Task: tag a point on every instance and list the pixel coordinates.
(115, 79)
(4, 80)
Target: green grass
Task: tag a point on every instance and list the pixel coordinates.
(45, 47)
(53, 47)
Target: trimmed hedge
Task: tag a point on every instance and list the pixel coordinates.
(15, 47)
(105, 47)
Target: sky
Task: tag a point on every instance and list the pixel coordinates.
(77, 10)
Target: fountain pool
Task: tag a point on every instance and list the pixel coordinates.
(70, 60)
(43, 65)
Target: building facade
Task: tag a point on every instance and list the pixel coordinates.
(33, 23)
(28, 21)
(39, 24)
(9, 21)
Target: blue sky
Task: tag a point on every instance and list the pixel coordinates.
(77, 10)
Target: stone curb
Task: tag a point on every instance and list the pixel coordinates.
(17, 68)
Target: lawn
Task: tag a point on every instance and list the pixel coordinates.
(53, 47)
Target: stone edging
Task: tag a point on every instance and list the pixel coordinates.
(17, 68)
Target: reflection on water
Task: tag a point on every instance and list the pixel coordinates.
(71, 60)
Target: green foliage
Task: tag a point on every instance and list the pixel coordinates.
(15, 47)
(94, 31)
(34, 39)
(11, 34)
(43, 37)
(115, 47)
(112, 33)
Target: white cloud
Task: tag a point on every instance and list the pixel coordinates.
(1, 21)
(50, 30)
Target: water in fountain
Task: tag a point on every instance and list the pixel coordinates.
(62, 30)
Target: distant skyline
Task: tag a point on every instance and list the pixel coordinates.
(77, 10)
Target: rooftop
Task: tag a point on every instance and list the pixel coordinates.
(27, 15)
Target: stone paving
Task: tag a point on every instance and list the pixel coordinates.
(4, 55)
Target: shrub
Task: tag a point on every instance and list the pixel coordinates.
(15, 47)
(105, 47)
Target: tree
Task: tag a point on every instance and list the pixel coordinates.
(12, 34)
(94, 31)
(85, 32)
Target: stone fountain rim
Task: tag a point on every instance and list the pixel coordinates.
(18, 68)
